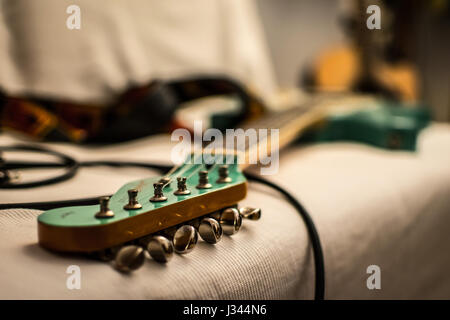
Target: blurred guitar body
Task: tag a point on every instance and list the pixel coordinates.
(341, 69)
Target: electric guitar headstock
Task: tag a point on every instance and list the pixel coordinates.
(165, 214)
(161, 214)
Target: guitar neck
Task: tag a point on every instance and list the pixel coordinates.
(289, 125)
(292, 123)
(255, 141)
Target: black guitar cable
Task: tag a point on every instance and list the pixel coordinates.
(68, 163)
(319, 265)
(72, 166)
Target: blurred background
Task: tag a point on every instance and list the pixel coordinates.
(65, 81)
(85, 75)
(298, 31)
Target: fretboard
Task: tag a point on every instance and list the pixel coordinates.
(284, 127)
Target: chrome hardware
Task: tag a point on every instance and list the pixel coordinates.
(250, 213)
(230, 220)
(130, 258)
(185, 239)
(203, 181)
(158, 193)
(160, 249)
(132, 204)
(104, 212)
(223, 175)
(181, 185)
(210, 230)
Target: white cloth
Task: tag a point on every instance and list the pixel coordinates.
(128, 42)
(371, 207)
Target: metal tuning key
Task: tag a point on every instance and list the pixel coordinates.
(129, 258)
(223, 175)
(104, 212)
(185, 239)
(203, 181)
(181, 187)
(132, 204)
(160, 248)
(210, 230)
(230, 220)
(158, 193)
(250, 213)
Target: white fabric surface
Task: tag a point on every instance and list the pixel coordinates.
(371, 207)
(127, 42)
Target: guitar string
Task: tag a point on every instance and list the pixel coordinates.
(195, 170)
(200, 167)
(174, 171)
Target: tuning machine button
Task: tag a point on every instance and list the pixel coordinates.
(230, 220)
(132, 204)
(203, 180)
(223, 175)
(158, 193)
(250, 213)
(160, 248)
(181, 185)
(129, 258)
(104, 212)
(185, 239)
(210, 230)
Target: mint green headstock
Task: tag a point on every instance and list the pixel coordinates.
(77, 229)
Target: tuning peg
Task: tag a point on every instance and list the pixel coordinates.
(160, 249)
(158, 193)
(185, 239)
(223, 175)
(181, 185)
(130, 258)
(203, 181)
(250, 213)
(132, 204)
(230, 220)
(104, 212)
(210, 230)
